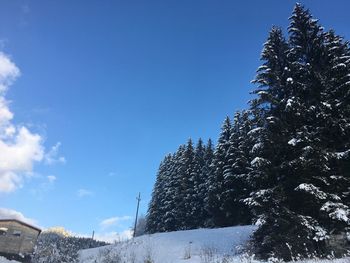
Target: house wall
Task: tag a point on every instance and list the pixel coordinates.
(23, 244)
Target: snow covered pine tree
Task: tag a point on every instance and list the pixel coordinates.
(304, 95)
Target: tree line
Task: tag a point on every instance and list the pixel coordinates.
(283, 163)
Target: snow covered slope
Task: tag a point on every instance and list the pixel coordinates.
(181, 246)
(191, 246)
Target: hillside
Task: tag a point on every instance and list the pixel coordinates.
(192, 246)
(180, 246)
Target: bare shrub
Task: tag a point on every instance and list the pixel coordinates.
(208, 254)
(109, 255)
(131, 257)
(149, 255)
(246, 258)
(187, 253)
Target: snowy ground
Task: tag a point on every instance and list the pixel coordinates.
(4, 260)
(180, 246)
(192, 246)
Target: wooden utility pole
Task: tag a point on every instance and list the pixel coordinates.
(92, 238)
(137, 212)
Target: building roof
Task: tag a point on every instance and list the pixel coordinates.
(21, 222)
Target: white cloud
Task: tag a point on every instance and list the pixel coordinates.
(84, 193)
(45, 185)
(8, 72)
(112, 237)
(20, 148)
(52, 157)
(6, 213)
(103, 234)
(109, 237)
(113, 221)
(18, 155)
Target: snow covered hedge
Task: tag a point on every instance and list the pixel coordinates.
(56, 248)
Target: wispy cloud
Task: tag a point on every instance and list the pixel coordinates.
(51, 178)
(114, 221)
(6, 213)
(23, 16)
(111, 174)
(42, 188)
(52, 156)
(8, 72)
(84, 193)
(3, 43)
(25, 9)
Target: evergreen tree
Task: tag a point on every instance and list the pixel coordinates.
(283, 114)
(289, 106)
(215, 179)
(336, 130)
(235, 187)
(267, 128)
(198, 214)
(173, 200)
(188, 180)
(311, 192)
(155, 214)
(305, 205)
(206, 171)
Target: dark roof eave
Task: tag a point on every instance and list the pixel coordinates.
(22, 223)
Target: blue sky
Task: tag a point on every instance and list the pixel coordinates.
(110, 87)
